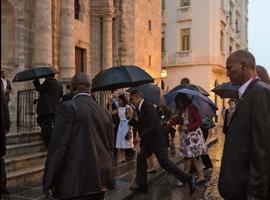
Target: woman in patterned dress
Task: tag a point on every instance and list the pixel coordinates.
(192, 144)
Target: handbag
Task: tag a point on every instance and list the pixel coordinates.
(208, 123)
(128, 135)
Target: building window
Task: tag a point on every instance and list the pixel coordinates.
(163, 5)
(185, 39)
(222, 41)
(149, 25)
(163, 42)
(230, 15)
(149, 60)
(184, 3)
(236, 26)
(230, 50)
(80, 61)
(77, 9)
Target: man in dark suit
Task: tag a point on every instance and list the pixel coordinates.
(50, 93)
(79, 162)
(5, 124)
(245, 166)
(152, 141)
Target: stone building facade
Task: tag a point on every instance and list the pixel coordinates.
(78, 36)
(198, 36)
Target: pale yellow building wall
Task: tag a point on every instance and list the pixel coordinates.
(148, 43)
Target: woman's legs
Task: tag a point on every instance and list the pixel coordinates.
(198, 169)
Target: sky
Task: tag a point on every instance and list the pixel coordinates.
(259, 31)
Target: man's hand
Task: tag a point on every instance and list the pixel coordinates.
(129, 113)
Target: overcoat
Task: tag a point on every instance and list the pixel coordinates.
(79, 159)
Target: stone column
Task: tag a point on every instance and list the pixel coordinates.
(43, 33)
(67, 43)
(107, 61)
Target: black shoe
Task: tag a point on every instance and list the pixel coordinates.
(192, 183)
(137, 188)
(4, 191)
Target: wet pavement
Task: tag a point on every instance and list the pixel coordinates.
(165, 189)
(161, 187)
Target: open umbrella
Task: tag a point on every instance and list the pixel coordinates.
(206, 107)
(227, 90)
(34, 73)
(151, 92)
(191, 87)
(120, 77)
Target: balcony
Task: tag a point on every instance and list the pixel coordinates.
(163, 17)
(237, 37)
(223, 16)
(164, 58)
(184, 14)
(184, 57)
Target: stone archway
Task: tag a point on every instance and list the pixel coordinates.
(7, 34)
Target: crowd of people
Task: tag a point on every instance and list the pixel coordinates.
(85, 140)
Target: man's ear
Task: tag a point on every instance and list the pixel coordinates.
(244, 66)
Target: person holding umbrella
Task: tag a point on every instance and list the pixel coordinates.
(192, 144)
(50, 93)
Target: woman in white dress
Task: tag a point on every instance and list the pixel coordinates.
(124, 138)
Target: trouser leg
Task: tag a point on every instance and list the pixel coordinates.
(165, 163)
(141, 176)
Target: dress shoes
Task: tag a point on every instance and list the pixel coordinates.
(137, 188)
(192, 183)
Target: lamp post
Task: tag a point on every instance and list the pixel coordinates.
(163, 73)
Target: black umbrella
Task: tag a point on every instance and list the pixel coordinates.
(34, 73)
(120, 77)
(227, 90)
(191, 87)
(151, 92)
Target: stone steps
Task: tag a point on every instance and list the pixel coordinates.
(16, 138)
(24, 148)
(27, 176)
(25, 161)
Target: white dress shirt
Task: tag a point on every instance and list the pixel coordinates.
(243, 88)
(140, 105)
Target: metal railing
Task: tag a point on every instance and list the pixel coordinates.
(26, 108)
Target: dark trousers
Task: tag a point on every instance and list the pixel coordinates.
(3, 175)
(97, 196)
(165, 163)
(205, 158)
(46, 122)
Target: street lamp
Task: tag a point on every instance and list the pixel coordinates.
(163, 73)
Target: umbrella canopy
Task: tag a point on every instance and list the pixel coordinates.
(191, 87)
(34, 73)
(227, 90)
(120, 77)
(206, 107)
(151, 92)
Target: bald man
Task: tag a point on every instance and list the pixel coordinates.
(79, 162)
(245, 166)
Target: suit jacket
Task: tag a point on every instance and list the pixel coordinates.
(79, 158)
(149, 127)
(50, 93)
(245, 166)
(5, 122)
